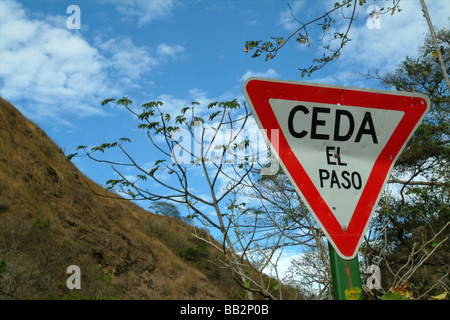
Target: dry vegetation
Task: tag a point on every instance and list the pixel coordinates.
(50, 219)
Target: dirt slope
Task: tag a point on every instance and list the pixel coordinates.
(50, 219)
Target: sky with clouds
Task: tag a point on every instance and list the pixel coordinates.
(176, 52)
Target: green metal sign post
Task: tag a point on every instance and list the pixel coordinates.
(346, 277)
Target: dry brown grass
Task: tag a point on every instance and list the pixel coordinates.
(50, 219)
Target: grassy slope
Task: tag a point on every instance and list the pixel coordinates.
(49, 219)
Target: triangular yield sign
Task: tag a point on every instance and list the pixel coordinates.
(337, 145)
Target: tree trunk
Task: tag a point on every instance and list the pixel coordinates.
(436, 44)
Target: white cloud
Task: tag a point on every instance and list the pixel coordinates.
(286, 19)
(253, 23)
(46, 65)
(282, 261)
(173, 52)
(200, 96)
(270, 73)
(400, 35)
(381, 49)
(342, 78)
(129, 60)
(172, 105)
(144, 11)
(57, 73)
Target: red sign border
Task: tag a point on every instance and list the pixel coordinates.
(259, 91)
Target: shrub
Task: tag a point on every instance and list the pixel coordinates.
(196, 253)
(3, 268)
(41, 223)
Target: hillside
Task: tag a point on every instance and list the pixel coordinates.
(50, 219)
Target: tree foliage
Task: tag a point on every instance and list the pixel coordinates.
(414, 221)
(168, 209)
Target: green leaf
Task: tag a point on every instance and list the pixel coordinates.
(131, 193)
(152, 172)
(234, 104)
(142, 177)
(152, 104)
(149, 126)
(70, 156)
(172, 128)
(104, 146)
(112, 183)
(198, 119)
(276, 286)
(212, 105)
(213, 115)
(183, 111)
(250, 45)
(3, 268)
(144, 126)
(394, 296)
(125, 139)
(124, 101)
(180, 119)
(107, 101)
(442, 296)
(145, 115)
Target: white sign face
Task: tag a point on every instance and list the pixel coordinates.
(337, 147)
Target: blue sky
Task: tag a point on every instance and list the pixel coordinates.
(176, 52)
